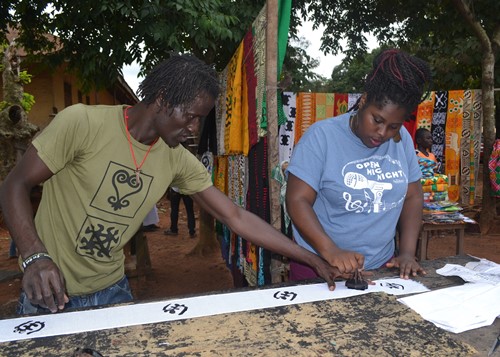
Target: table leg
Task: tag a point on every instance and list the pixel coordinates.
(460, 240)
(422, 254)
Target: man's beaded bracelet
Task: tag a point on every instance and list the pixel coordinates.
(33, 258)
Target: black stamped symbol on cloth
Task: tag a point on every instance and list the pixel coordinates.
(285, 295)
(178, 309)
(29, 327)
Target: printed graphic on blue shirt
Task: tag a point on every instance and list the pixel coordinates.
(369, 182)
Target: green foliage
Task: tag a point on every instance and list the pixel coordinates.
(25, 77)
(26, 103)
(97, 37)
(433, 30)
(299, 66)
(349, 76)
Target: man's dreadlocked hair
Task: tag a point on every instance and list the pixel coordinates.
(398, 77)
(178, 80)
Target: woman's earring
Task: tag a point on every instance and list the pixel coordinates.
(353, 122)
(397, 137)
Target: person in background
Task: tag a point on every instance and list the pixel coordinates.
(150, 223)
(103, 169)
(175, 200)
(12, 249)
(354, 178)
(423, 139)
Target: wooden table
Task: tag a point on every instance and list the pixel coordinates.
(374, 324)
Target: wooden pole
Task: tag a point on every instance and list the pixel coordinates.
(272, 124)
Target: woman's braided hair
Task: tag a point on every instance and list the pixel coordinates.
(178, 80)
(397, 77)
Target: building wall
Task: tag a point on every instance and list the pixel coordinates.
(50, 97)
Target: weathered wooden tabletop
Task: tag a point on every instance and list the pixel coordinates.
(374, 324)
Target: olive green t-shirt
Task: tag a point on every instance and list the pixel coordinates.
(93, 204)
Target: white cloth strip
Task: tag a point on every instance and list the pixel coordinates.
(187, 308)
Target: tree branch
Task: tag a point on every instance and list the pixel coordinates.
(476, 27)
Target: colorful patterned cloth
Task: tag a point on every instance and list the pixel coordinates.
(494, 167)
(286, 131)
(425, 111)
(439, 124)
(324, 105)
(341, 104)
(251, 81)
(452, 148)
(235, 103)
(306, 113)
(475, 138)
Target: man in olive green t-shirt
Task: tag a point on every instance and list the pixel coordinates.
(103, 168)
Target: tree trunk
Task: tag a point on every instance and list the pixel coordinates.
(489, 46)
(488, 212)
(15, 130)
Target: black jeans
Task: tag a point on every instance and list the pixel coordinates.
(175, 200)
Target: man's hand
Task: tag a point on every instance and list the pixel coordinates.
(407, 265)
(326, 271)
(44, 285)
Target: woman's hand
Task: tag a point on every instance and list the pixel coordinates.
(407, 265)
(346, 261)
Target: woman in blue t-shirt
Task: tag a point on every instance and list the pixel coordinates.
(353, 178)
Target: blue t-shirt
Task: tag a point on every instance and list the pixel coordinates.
(360, 190)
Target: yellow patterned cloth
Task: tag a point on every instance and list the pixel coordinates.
(424, 112)
(220, 178)
(306, 113)
(452, 149)
(324, 105)
(235, 118)
(439, 187)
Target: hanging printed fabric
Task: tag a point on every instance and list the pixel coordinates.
(251, 81)
(220, 180)
(306, 113)
(410, 124)
(284, 14)
(324, 105)
(259, 51)
(236, 179)
(465, 157)
(233, 141)
(352, 99)
(438, 125)
(452, 149)
(257, 200)
(287, 131)
(425, 111)
(494, 168)
(341, 104)
(220, 112)
(207, 159)
(475, 139)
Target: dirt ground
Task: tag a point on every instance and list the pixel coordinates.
(174, 272)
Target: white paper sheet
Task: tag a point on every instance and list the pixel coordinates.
(186, 308)
(483, 271)
(459, 308)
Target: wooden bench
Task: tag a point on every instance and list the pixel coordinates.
(428, 228)
(431, 228)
